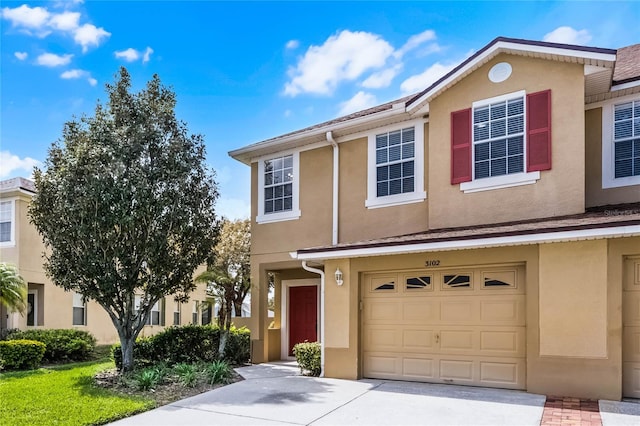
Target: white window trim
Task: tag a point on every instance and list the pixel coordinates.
(84, 307)
(418, 194)
(12, 241)
(608, 157)
(294, 213)
(503, 181)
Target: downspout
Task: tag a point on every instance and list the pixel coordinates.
(321, 273)
(336, 161)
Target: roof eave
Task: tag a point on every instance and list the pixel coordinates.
(473, 243)
(501, 44)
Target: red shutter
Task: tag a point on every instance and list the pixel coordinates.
(461, 146)
(539, 131)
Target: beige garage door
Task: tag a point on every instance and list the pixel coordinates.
(631, 329)
(462, 326)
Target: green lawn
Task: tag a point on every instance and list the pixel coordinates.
(63, 396)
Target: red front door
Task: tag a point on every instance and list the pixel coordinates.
(303, 315)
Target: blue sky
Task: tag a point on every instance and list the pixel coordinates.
(247, 71)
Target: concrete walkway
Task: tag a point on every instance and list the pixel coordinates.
(275, 394)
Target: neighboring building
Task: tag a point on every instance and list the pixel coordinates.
(50, 306)
(485, 231)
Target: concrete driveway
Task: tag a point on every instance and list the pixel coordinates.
(274, 394)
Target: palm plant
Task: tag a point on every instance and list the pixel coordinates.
(13, 289)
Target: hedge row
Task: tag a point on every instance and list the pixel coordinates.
(21, 354)
(62, 345)
(187, 344)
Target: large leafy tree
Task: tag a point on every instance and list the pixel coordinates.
(13, 289)
(125, 205)
(228, 275)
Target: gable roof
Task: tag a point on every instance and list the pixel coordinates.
(599, 77)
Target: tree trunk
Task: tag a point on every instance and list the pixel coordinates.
(126, 346)
(237, 307)
(224, 329)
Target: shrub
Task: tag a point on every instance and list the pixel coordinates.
(62, 344)
(238, 350)
(217, 372)
(187, 374)
(308, 356)
(21, 354)
(148, 379)
(187, 344)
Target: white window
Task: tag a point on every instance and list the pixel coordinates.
(621, 142)
(278, 188)
(498, 154)
(7, 223)
(176, 313)
(155, 314)
(79, 310)
(194, 313)
(396, 165)
(498, 138)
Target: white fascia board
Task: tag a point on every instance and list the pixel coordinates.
(248, 153)
(624, 86)
(506, 46)
(515, 240)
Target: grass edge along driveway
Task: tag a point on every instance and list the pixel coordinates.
(63, 395)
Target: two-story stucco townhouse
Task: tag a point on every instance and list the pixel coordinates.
(485, 231)
(50, 306)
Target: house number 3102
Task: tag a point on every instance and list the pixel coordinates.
(429, 263)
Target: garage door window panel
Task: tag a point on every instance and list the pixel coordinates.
(456, 282)
(418, 283)
(499, 280)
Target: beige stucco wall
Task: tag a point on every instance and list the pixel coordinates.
(595, 195)
(559, 191)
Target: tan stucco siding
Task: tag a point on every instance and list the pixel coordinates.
(595, 195)
(314, 226)
(559, 191)
(356, 221)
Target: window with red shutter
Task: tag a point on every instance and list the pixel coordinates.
(461, 146)
(539, 131)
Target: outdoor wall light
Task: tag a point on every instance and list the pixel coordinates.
(339, 280)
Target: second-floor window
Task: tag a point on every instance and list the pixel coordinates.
(278, 185)
(626, 135)
(396, 165)
(498, 138)
(6, 221)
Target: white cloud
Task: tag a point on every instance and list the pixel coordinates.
(89, 35)
(382, 78)
(76, 74)
(21, 55)
(423, 80)
(147, 55)
(132, 54)
(287, 113)
(128, 55)
(292, 44)
(415, 41)
(34, 18)
(361, 100)
(65, 21)
(345, 56)
(10, 163)
(568, 35)
(53, 60)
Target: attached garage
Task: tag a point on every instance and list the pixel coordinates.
(462, 326)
